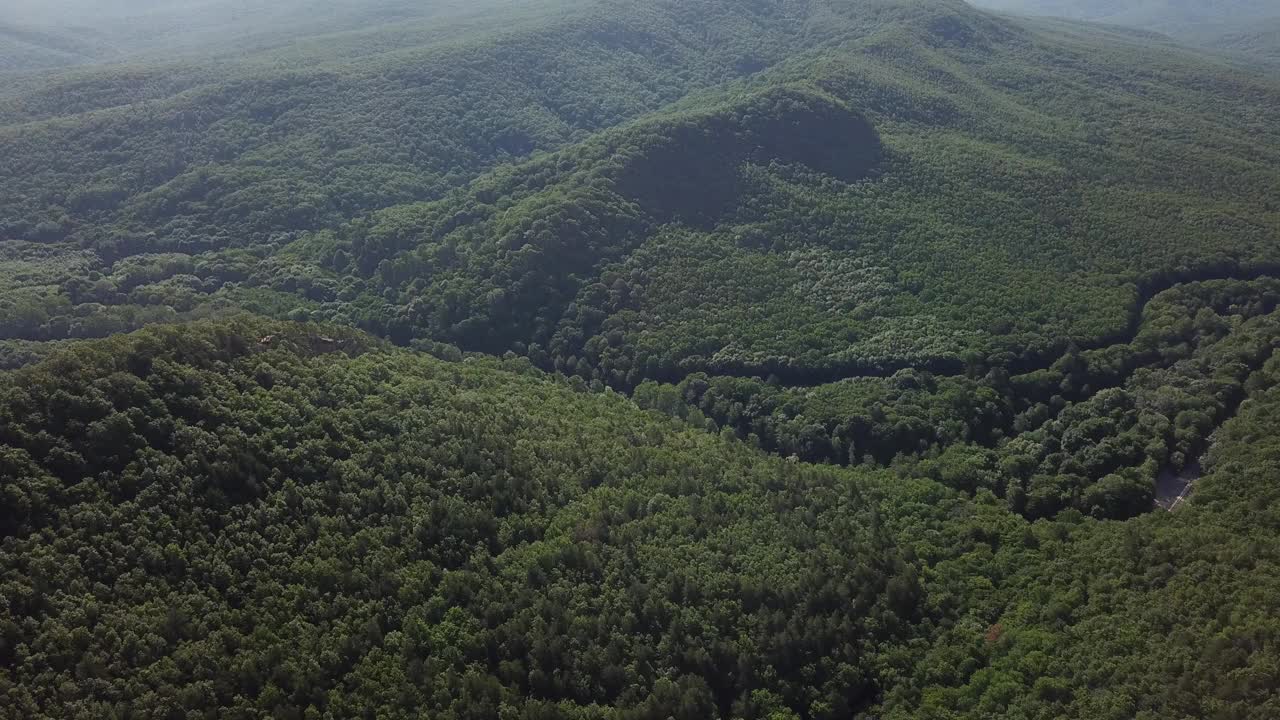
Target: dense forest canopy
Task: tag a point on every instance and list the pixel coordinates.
(248, 518)
(765, 359)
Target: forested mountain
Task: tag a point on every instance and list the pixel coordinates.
(777, 359)
(389, 191)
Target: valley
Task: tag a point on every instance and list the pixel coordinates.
(602, 360)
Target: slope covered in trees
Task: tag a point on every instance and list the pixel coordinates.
(1092, 431)
(222, 167)
(501, 264)
(782, 359)
(280, 520)
(1025, 189)
(250, 517)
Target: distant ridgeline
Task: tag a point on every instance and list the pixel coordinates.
(1248, 27)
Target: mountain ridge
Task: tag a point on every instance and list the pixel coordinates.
(603, 360)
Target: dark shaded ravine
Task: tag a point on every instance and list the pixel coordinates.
(1173, 486)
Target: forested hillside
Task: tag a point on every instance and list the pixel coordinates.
(368, 531)
(766, 359)
(395, 192)
(294, 520)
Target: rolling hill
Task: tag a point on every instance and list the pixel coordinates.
(1005, 175)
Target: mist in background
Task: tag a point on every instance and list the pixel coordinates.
(1243, 25)
(37, 35)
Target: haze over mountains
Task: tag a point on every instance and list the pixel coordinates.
(43, 35)
(39, 35)
(1248, 26)
(741, 359)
